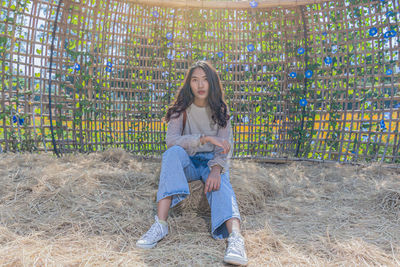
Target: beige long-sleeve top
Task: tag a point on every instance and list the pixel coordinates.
(199, 122)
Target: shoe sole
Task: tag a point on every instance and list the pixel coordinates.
(235, 260)
(146, 246)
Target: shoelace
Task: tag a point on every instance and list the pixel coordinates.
(154, 230)
(236, 245)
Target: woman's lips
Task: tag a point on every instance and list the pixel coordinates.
(201, 92)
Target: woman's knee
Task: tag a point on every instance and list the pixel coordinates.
(226, 186)
(175, 151)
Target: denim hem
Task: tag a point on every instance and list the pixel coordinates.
(168, 194)
(221, 222)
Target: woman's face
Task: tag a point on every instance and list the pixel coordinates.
(199, 85)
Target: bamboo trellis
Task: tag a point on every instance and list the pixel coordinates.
(304, 79)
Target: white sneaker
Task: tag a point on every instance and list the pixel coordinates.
(156, 232)
(235, 252)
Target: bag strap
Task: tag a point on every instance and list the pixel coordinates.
(184, 121)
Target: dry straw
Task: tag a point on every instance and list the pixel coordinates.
(90, 210)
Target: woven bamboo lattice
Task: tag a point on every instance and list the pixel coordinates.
(307, 79)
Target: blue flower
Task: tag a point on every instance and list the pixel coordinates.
(250, 47)
(253, 4)
(309, 73)
(169, 44)
(390, 34)
(334, 48)
(109, 64)
(77, 66)
(389, 72)
(373, 31)
(170, 56)
(328, 60)
(382, 124)
(387, 34)
(220, 54)
(155, 14)
(169, 36)
(246, 68)
(303, 102)
(108, 69)
(18, 119)
(300, 51)
(293, 74)
(389, 13)
(324, 33)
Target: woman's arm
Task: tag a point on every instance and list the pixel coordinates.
(175, 138)
(221, 158)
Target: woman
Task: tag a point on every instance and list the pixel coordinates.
(199, 142)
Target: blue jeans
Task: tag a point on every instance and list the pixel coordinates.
(178, 169)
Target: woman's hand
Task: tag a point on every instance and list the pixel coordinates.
(213, 180)
(218, 141)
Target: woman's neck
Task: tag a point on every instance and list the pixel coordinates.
(200, 103)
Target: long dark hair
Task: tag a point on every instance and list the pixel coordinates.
(215, 99)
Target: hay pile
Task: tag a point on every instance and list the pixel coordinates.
(91, 209)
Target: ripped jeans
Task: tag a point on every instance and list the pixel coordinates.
(178, 168)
